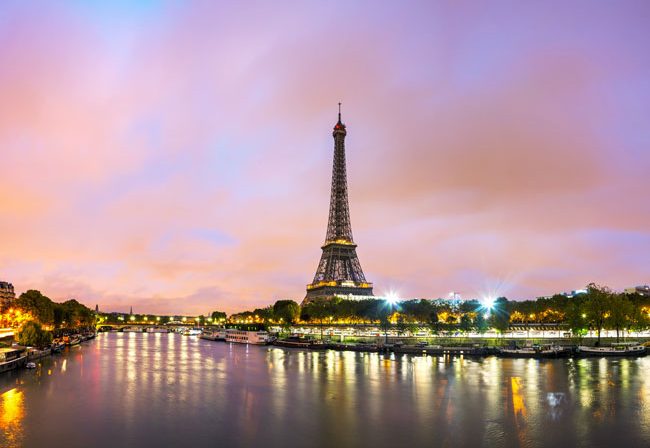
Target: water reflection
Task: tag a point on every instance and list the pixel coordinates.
(170, 390)
(12, 412)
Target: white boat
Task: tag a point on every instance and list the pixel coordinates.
(132, 330)
(30, 365)
(213, 335)
(248, 337)
(157, 330)
(620, 349)
(192, 332)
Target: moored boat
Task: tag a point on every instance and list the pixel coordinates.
(248, 337)
(534, 351)
(619, 349)
(439, 350)
(34, 353)
(359, 347)
(293, 342)
(72, 340)
(57, 346)
(12, 358)
(213, 335)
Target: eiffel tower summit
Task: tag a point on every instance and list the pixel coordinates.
(339, 271)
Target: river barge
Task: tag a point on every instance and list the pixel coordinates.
(535, 351)
(439, 350)
(300, 342)
(34, 353)
(12, 358)
(631, 349)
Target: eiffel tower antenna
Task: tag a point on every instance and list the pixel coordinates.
(339, 271)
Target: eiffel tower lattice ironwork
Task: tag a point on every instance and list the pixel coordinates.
(339, 271)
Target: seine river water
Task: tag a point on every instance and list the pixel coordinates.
(168, 390)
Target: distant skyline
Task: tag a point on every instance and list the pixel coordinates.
(177, 157)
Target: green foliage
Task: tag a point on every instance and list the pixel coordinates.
(465, 325)
(218, 316)
(32, 334)
(576, 317)
(480, 323)
(38, 305)
(287, 310)
(620, 313)
(597, 306)
(500, 315)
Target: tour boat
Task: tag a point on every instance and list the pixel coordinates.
(131, 330)
(10, 358)
(213, 335)
(620, 349)
(248, 337)
(192, 332)
(535, 351)
(157, 330)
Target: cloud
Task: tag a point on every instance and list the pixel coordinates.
(178, 158)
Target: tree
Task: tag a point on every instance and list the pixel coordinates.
(500, 315)
(434, 322)
(384, 324)
(287, 310)
(576, 317)
(620, 312)
(319, 310)
(218, 316)
(640, 319)
(38, 305)
(480, 323)
(597, 305)
(465, 325)
(401, 324)
(32, 334)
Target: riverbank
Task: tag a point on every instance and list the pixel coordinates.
(16, 356)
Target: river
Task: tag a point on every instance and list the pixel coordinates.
(168, 390)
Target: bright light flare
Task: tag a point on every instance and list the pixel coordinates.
(488, 303)
(392, 298)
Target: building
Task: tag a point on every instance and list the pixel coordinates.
(7, 293)
(640, 290)
(339, 271)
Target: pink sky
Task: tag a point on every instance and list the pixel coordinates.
(177, 158)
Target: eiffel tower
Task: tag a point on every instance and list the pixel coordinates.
(339, 271)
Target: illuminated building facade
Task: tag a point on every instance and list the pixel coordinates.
(7, 293)
(339, 271)
(640, 290)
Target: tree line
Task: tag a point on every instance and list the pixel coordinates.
(598, 308)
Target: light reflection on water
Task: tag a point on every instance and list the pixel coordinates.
(170, 390)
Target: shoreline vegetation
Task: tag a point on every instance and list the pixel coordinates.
(39, 324)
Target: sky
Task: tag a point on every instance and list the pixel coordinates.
(176, 156)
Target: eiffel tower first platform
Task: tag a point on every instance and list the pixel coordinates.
(339, 271)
